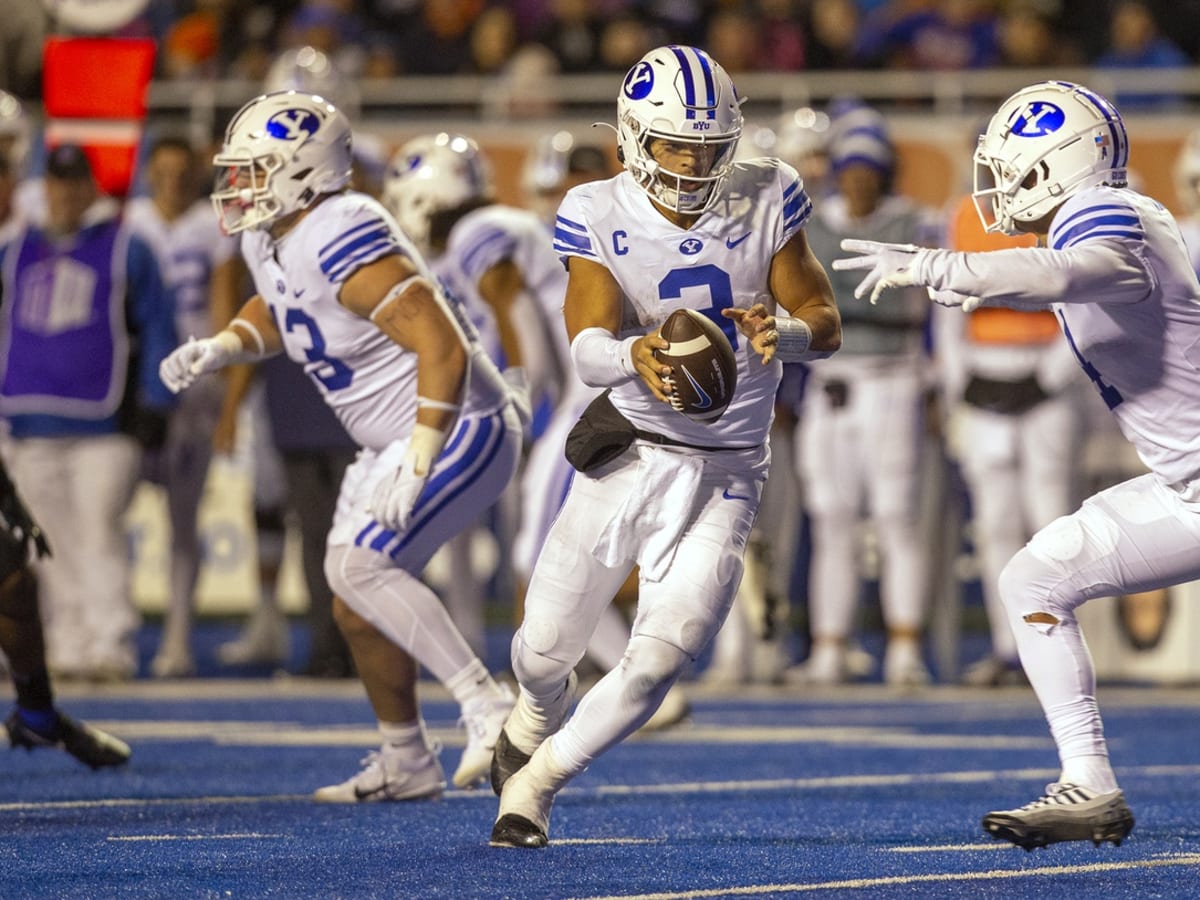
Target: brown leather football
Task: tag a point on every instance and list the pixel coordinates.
(705, 368)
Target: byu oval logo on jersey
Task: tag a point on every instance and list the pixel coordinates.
(691, 246)
(639, 82)
(292, 124)
(1038, 119)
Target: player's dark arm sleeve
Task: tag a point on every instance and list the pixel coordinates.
(152, 315)
(16, 519)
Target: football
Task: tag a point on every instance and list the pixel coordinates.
(704, 366)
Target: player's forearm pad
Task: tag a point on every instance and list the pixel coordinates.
(601, 360)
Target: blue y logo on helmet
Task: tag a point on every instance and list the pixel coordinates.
(639, 82)
(1038, 119)
(292, 124)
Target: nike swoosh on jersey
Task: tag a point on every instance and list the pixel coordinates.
(728, 496)
(730, 244)
(298, 293)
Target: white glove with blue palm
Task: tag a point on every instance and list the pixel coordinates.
(890, 265)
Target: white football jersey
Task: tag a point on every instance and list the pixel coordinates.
(722, 261)
(368, 380)
(487, 236)
(1117, 274)
(189, 249)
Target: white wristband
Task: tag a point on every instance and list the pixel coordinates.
(794, 339)
(444, 406)
(250, 329)
(601, 360)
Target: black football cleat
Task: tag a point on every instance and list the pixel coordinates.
(89, 745)
(507, 761)
(512, 830)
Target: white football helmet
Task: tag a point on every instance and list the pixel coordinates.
(678, 94)
(14, 130)
(1045, 143)
(281, 152)
(1187, 173)
(309, 71)
(430, 174)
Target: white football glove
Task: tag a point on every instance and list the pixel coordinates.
(396, 494)
(890, 265)
(518, 394)
(189, 361)
(954, 298)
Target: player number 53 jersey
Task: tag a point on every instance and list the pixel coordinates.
(722, 261)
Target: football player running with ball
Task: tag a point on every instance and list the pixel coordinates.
(347, 296)
(682, 226)
(1112, 266)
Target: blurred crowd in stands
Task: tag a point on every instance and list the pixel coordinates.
(389, 38)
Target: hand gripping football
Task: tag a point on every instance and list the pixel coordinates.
(704, 367)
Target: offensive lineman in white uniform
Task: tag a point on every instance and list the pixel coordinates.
(683, 226)
(1113, 268)
(347, 296)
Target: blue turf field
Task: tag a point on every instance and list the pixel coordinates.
(770, 793)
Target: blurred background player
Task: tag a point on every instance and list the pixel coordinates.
(197, 261)
(36, 721)
(1014, 423)
(87, 319)
(861, 433)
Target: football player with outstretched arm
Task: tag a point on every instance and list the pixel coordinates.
(1112, 266)
(347, 296)
(682, 226)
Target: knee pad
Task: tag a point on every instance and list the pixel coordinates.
(541, 659)
(1027, 588)
(651, 666)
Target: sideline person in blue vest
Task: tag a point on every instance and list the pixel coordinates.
(85, 321)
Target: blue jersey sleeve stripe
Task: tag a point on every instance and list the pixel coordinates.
(799, 206)
(369, 253)
(488, 240)
(1081, 230)
(347, 235)
(578, 241)
(564, 250)
(1093, 210)
(1134, 234)
(574, 226)
(335, 259)
(791, 189)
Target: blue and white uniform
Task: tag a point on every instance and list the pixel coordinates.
(479, 241)
(1116, 273)
(369, 381)
(682, 514)
(190, 248)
